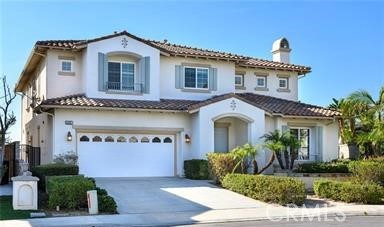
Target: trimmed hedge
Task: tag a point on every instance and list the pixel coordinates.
(106, 204)
(196, 169)
(68, 192)
(281, 190)
(371, 171)
(220, 164)
(323, 167)
(350, 192)
(42, 171)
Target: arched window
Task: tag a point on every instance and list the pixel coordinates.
(84, 139)
(167, 140)
(109, 139)
(96, 139)
(133, 139)
(156, 140)
(121, 139)
(145, 140)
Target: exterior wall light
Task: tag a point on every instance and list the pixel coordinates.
(187, 138)
(69, 136)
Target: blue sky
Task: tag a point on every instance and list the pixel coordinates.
(343, 41)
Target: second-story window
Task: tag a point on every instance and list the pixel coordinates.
(121, 76)
(283, 83)
(66, 66)
(239, 80)
(261, 81)
(196, 77)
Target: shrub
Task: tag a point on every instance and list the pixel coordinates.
(323, 167)
(68, 192)
(42, 171)
(281, 190)
(106, 203)
(220, 164)
(372, 171)
(196, 169)
(101, 191)
(55, 179)
(347, 191)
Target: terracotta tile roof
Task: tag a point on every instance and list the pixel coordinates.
(183, 51)
(269, 104)
(81, 100)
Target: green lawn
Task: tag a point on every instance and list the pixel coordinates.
(7, 212)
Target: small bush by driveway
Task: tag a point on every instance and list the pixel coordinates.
(281, 190)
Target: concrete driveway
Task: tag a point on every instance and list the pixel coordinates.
(171, 194)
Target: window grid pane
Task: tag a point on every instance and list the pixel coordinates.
(283, 83)
(66, 66)
(190, 77)
(261, 82)
(114, 71)
(128, 76)
(202, 78)
(238, 80)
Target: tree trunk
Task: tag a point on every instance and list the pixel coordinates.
(255, 166)
(293, 158)
(279, 159)
(286, 158)
(270, 162)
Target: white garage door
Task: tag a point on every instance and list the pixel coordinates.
(126, 155)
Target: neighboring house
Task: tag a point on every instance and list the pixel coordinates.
(134, 107)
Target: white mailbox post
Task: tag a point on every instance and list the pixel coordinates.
(25, 192)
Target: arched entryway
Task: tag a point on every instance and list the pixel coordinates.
(231, 131)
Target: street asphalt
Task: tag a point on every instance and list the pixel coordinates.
(356, 221)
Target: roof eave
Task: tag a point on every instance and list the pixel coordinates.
(47, 107)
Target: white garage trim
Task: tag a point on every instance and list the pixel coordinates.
(134, 155)
(113, 129)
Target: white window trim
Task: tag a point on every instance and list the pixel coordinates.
(309, 142)
(242, 80)
(265, 81)
(121, 74)
(286, 83)
(196, 88)
(61, 66)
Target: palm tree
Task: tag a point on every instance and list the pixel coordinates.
(243, 154)
(294, 145)
(347, 121)
(370, 118)
(274, 144)
(364, 97)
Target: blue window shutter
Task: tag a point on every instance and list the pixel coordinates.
(213, 79)
(147, 74)
(319, 143)
(179, 77)
(103, 71)
(144, 74)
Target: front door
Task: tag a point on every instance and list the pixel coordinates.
(221, 139)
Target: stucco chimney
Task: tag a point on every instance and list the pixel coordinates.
(280, 50)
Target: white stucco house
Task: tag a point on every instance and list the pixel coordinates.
(134, 107)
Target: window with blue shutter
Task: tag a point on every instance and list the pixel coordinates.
(200, 78)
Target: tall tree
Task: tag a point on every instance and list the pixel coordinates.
(364, 97)
(7, 117)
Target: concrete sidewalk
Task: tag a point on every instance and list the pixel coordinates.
(271, 212)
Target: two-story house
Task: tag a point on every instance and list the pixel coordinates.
(128, 106)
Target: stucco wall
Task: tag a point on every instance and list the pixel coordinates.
(272, 83)
(63, 85)
(114, 45)
(209, 114)
(225, 78)
(118, 119)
